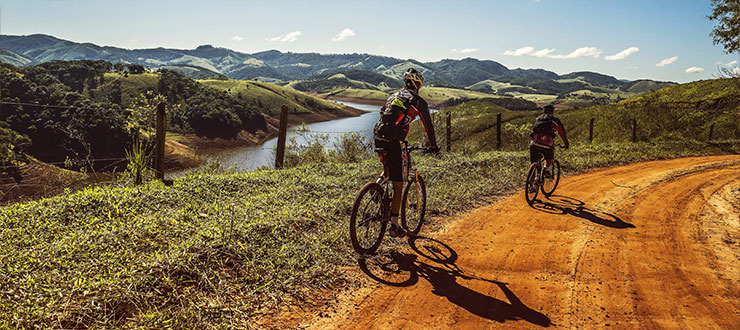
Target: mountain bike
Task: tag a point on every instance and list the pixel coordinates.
(537, 181)
(371, 211)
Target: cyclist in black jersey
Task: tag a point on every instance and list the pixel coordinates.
(399, 111)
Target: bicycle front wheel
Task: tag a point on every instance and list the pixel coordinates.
(367, 223)
(549, 185)
(414, 205)
(530, 185)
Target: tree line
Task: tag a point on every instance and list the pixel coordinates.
(76, 109)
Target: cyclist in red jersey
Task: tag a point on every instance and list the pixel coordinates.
(399, 111)
(543, 137)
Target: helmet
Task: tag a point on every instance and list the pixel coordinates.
(548, 108)
(413, 77)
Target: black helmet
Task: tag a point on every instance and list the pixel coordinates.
(548, 108)
(413, 78)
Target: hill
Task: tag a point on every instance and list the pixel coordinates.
(682, 112)
(311, 71)
(78, 110)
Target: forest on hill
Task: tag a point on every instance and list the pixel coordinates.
(87, 109)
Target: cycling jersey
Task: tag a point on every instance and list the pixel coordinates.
(545, 140)
(415, 106)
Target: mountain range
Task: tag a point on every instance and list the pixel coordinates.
(274, 66)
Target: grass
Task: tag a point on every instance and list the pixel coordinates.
(215, 249)
(271, 97)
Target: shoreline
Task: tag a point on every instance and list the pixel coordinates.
(192, 144)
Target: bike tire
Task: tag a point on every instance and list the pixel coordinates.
(414, 205)
(530, 185)
(549, 186)
(366, 224)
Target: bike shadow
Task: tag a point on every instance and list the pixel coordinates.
(557, 204)
(435, 262)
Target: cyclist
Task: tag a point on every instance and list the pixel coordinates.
(398, 112)
(543, 137)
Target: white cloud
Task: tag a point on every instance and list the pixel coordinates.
(464, 51)
(290, 37)
(237, 38)
(547, 53)
(623, 54)
(736, 71)
(694, 69)
(667, 61)
(728, 64)
(346, 33)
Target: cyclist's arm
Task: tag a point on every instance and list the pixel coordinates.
(426, 119)
(558, 126)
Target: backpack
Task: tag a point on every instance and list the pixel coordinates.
(393, 116)
(543, 125)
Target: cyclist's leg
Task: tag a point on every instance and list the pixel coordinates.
(395, 175)
(534, 154)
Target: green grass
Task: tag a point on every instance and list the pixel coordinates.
(272, 97)
(213, 249)
(682, 112)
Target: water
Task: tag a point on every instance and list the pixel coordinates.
(251, 158)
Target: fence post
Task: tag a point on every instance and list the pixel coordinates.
(283, 130)
(711, 132)
(160, 140)
(498, 131)
(591, 131)
(634, 130)
(449, 132)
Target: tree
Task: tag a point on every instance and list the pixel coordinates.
(727, 31)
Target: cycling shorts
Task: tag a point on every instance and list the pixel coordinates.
(536, 151)
(392, 159)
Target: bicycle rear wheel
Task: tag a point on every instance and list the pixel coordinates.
(530, 185)
(414, 205)
(549, 185)
(367, 223)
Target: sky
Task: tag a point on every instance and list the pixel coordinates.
(665, 40)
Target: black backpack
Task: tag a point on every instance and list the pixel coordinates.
(392, 116)
(543, 125)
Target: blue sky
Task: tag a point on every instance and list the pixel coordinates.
(623, 38)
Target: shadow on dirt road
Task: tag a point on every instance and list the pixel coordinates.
(439, 268)
(557, 204)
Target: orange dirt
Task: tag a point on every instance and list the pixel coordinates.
(646, 245)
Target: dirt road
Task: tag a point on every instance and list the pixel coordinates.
(646, 245)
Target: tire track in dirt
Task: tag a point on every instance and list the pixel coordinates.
(624, 247)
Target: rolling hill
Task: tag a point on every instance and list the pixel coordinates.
(313, 72)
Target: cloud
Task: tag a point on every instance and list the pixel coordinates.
(694, 69)
(346, 33)
(464, 51)
(736, 71)
(290, 37)
(237, 38)
(667, 61)
(728, 64)
(548, 53)
(623, 54)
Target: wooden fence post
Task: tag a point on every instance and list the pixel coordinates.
(711, 132)
(591, 131)
(498, 131)
(634, 130)
(283, 130)
(449, 132)
(160, 140)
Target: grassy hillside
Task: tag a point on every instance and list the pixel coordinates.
(271, 97)
(683, 112)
